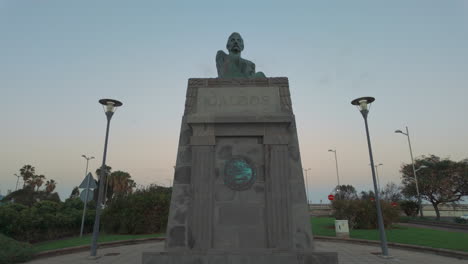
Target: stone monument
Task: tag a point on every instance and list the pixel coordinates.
(238, 193)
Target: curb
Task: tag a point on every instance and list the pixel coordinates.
(69, 250)
(438, 251)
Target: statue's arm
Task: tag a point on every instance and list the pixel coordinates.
(220, 55)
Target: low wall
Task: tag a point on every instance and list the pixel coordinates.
(428, 210)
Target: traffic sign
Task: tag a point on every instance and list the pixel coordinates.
(372, 199)
(92, 183)
(394, 204)
(331, 197)
(83, 195)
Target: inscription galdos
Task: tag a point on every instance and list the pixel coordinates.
(238, 100)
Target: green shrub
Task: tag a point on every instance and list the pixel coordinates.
(44, 220)
(460, 220)
(362, 214)
(410, 208)
(144, 211)
(12, 251)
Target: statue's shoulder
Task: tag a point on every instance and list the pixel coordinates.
(220, 55)
(251, 64)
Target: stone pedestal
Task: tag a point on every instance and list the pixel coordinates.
(238, 193)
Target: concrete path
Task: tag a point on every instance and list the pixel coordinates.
(348, 254)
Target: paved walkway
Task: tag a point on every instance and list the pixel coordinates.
(348, 254)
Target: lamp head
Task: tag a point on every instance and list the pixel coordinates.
(398, 131)
(110, 105)
(363, 104)
(331, 150)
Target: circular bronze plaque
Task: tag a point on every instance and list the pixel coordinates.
(239, 173)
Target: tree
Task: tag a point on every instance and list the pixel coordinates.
(27, 172)
(50, 186)
(346, 192)
(367, 195)
(391, 193)
(75, 193)
(38, 181)
(108, 170)
(442, 181)
(120, 183)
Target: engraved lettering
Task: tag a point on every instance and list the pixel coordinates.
(254, 100)
(243, 100)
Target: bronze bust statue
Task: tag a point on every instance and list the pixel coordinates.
(232, 65)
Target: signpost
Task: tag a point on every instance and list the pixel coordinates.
(88, 184)
(331, 197)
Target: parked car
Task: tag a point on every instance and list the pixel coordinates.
(464, 217)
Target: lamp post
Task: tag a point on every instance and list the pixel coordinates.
(414, 170)
(377, 174)
(109, 106)
(336, 162)
(363, 104)
(307, 184)
(17, 181)
(87, 193)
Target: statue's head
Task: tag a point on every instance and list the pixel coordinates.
(235, 43)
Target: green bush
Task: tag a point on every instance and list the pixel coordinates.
(144, 211)
(362, 214)
(30, 197)
(44, 220)
(12, 251)
(410, 208)
(460, 220)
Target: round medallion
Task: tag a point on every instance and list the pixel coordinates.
(239, 173)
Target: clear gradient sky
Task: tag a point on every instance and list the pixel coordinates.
(57, 58)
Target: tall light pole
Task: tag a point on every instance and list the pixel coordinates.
(336, 162)
(110, 106)
(307, 184)
(377, 174)
(363, 104)
(17, 181)
(87, 193)
(414, 170)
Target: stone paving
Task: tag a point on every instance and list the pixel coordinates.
(348, 254)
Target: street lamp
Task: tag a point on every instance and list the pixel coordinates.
(17, 181)
(109, 106)
(363, 104)
(307, 184)
(87, 193)
(414, 170)
(336, 162)
(377, 174)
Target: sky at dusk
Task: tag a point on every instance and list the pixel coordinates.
(58, 58)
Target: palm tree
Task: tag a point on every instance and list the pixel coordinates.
(27, 172)
(50, 186)
(121, 182)
(38, 181)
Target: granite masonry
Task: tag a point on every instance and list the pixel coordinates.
(238, 194)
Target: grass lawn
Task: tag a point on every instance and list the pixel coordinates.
(85, 240)
(325, 226)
